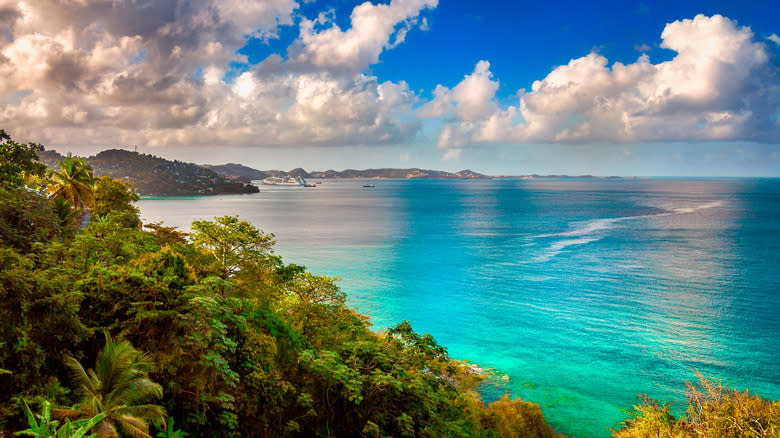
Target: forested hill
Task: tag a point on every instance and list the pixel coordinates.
(246, 174)
(155, 176)
(239, 172)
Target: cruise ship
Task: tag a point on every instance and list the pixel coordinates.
(283, 181)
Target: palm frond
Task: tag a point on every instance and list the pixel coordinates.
(105, 429)
(114, 364)
(117, 383)
(134, 427)
(136, 390)
(151, 412)
(79, 377)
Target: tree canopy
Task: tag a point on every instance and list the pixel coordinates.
(234, 244)
(18, 160)
(116, 197)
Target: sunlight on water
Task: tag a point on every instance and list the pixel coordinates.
(579, 295)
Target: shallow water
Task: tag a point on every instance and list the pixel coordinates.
(584, 293)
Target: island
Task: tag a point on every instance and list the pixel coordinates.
(239, 172)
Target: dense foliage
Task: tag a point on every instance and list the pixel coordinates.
(18, 160)
(215, 331)
(116, 197)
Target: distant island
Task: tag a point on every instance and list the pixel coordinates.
(535, 176)
(239, 172)
(155, 176)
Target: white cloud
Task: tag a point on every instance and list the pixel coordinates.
(118, 72)
(114, 72)
(719, 86)
(774, 38)
(642, 48)
(359, 46)
(471, 100)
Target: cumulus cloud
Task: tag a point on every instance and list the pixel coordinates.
(472, 99)
(119, 72)
(719, 86)
(774, 38)
(356, 48)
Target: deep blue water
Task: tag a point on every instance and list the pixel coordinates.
(579, 294)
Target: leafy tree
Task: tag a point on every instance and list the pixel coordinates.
(234, 244)
(314, 303)
(46, 427)
(26, 219)
(116, 197)
(18, 160)
(38, 320)
(167, 235)
(74, 182)
(117, 387)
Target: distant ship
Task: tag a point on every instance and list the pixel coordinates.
(369, 185)
(283, 181)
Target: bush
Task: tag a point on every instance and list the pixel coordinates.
(714, 411)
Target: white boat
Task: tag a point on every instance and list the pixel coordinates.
(283, 181)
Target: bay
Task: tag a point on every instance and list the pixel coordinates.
(579, 294)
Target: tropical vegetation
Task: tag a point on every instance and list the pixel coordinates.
(117, 388)
(44, 426)
(125, 328)
(73, 182)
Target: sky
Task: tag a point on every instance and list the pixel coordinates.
(632, 88)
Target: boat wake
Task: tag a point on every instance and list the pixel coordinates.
(593, 230)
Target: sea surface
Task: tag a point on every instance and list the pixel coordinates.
(578, 294)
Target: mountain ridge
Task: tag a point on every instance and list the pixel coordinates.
(244, 173)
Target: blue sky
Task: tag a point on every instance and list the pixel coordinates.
(285, 83)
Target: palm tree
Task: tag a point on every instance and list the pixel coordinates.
(118, 386)
(66, 215)
(74, 182)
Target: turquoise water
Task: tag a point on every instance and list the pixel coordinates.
(579, 294)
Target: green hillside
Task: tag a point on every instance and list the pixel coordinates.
(155, 176)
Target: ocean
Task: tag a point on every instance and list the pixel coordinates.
(578, 294)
